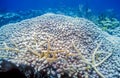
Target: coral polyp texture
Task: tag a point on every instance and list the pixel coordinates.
(61, 44)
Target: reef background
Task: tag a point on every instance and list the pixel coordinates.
(105, 14)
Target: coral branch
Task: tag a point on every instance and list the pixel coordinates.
(100, 74)
(93, 61)
(93, 64)
(104, 59)
(5, 56)
(79, 53)
(8, 48)
(49, 55)
(34, 52)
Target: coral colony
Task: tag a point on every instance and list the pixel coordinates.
(71, 45)
(50, 56)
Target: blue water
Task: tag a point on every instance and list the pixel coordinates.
(67, 7)
(96, 5)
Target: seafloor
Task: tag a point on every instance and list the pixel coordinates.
(61, 46)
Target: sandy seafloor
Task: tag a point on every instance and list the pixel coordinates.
(54, 32)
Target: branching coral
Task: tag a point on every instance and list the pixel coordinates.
(93, 63)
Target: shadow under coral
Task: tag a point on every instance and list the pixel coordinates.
(10, 70)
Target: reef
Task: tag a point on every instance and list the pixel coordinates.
(59, 46)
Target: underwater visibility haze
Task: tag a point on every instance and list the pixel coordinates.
(59, 39)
